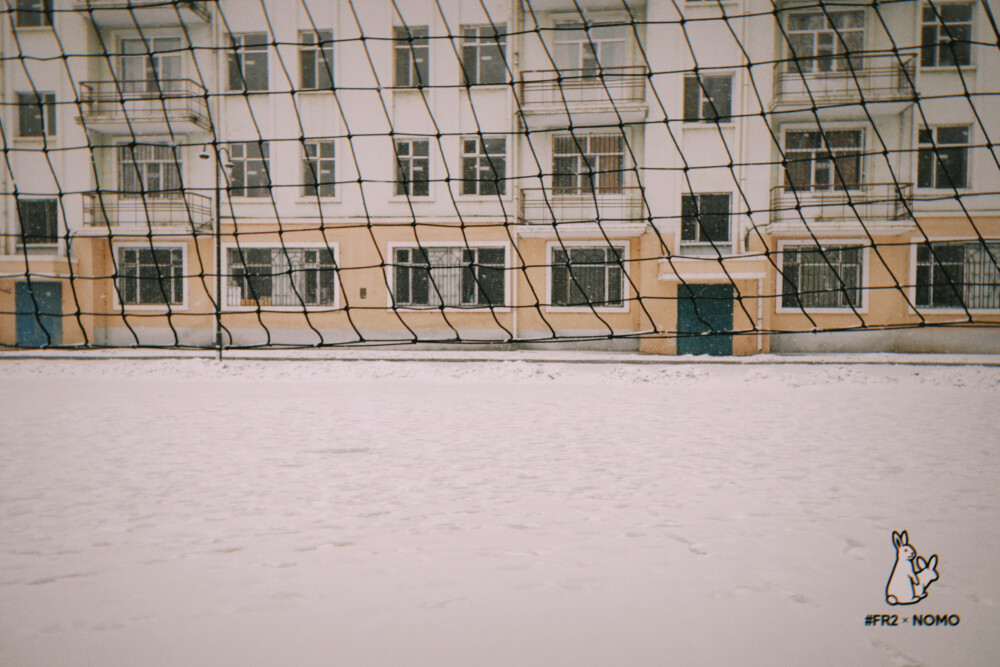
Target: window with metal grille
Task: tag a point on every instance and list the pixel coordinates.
(705, 219)
(283, 277)
(318, 169)
(36, 114)
(483, 49)
(413, 167)
(39, 220)
(151, 276)
(943, 157)
(316, 60)
(827, 277)
(150, 170)
(450, 277)
(248, 62)
(818, 160)
(825, 40)
(946, 35)
(955, 274)
(249, 174)
(587, 276)
(588, 163)
(484, 165)
(708, 98)
(412, 53)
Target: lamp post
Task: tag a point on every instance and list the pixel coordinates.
(204, 155)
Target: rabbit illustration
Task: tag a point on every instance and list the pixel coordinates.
(903, 580)
(926, 573)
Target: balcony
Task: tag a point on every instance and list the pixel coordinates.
(882, 207)
(115, 209)
(558, 97)
(884, 83)
(146, 13)
(169, 106)
(619, 208)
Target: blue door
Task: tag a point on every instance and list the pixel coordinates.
(705, 319)
(39, 313)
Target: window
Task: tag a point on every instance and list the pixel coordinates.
(39, 221)
(413, 167)
(281, 277)
(149, 170)
(449, 277)
(705, 218)
(484, 165)
(708, 99)
(588, 276)
(36, 114)
(316, 59)
(943, 157)
(823, 160)
(825, 41)
(588, 163)
(483, 49)
(318, 174)
(249, 175)
(151, 66)
(34, 13)
(959, 275)
(248, 62)
(151, 276)
(946, 35)
(411, 50)
(589, 50)
(814, 277)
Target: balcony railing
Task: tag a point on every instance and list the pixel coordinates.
(583, 87)
(868, 202)
(833, 81)
(545, 206)
(112, 209)
(114, 13)
(177, 102)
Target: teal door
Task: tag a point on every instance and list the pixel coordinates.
(39, 313)
(705, 319)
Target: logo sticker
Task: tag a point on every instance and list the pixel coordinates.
(911, 575)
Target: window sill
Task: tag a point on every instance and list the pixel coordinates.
(416, 199)
(472, 87)
(932, 310)
(33, 28)
(281, 309)
(151, 308)
(480, 310)
(707, 124)
(585, 309)
(945, 69)
(782, 310)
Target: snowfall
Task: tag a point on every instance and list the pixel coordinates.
(495, 512)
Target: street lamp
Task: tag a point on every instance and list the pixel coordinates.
(205, 155)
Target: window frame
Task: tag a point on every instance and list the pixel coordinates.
(119, 292)
(917, 244)
(408, 160)
(237, 63)
(242, 161)
(51, 222)
(153, 59)
(412, 44)
(932, 151)
(571, 31)
(842, 61)
(696, 93)
(484, 163)
(938, 25)
(44, 113)
(505, 268)
(139, 168)
(477, 39)
(281, 250)
(320, 53)
(584, 152)
(799, 245)
(42, 12)
(688, 243)
(823, 151)
(626, 287)
(316, 171)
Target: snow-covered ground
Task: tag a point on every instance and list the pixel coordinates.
(189, 512)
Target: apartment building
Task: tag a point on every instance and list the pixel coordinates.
(699, 177)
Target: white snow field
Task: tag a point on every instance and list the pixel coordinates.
(190, 512)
